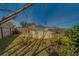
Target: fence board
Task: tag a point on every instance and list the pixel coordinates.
(5, 32)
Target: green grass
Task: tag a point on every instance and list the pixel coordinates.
(16, 44)
(4, 43)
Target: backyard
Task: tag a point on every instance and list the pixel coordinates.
(39, 29)
(22, 45)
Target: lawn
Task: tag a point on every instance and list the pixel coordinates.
(20, 45)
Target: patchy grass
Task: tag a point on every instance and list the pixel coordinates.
(17, 45)
(4, 43)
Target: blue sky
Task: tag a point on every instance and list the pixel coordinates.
(56, 15)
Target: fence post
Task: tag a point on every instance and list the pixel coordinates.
(10, 31)
(1, 32)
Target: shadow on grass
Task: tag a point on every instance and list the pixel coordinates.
(40, 51)
(4, 43)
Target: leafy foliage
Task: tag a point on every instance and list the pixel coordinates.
(73, 34)
(69, 42)
(67, 46)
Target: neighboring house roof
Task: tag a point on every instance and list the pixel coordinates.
(40, 29)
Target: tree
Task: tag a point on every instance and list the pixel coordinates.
(23, 24)
(73, 33)
(70, 41)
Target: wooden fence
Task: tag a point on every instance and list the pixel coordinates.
(5, 32)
